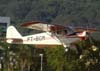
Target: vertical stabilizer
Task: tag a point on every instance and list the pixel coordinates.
(12, 32)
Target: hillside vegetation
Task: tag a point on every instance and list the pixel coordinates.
(77, 12)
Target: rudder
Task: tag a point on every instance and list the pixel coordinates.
(12, 32)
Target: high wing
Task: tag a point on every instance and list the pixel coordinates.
(90, 30)
(37, 25)
(42, 26)
(57, 29)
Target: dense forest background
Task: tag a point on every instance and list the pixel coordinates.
(84, 13)
(77, 12)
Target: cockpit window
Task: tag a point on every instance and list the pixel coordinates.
(60, 32)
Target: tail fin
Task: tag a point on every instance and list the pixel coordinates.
(12, 32)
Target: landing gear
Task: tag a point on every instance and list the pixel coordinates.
(66, 47)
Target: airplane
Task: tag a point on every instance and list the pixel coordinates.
(52, 34)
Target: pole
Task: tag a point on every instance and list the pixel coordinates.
(1, 58)
(41, 61)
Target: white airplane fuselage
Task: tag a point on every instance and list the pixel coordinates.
(45, 38)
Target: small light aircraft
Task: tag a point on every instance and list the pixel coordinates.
(51, 34)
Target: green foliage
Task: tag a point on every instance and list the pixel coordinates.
(55, 58)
